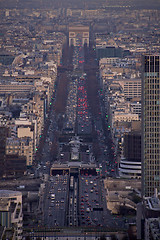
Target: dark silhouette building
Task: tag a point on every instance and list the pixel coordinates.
(132, 146)
(3, 136)
(130, 163)
(10, 165)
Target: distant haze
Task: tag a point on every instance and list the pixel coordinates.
(88, 4)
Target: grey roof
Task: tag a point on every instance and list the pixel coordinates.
(9, 193)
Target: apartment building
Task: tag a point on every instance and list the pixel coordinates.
(11, 215)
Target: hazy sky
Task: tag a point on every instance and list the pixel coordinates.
(78, 3)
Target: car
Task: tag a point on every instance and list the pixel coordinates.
(88, 210)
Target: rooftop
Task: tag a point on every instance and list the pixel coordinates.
(9, 193)
(153, 203)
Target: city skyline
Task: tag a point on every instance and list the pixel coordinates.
(74, 97)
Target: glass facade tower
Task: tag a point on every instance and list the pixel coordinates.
(151, 125)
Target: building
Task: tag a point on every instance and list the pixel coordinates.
(132, 146)
(110, 60)
(14, 165)
(10, 164)
(136, 107)
(21, 147)
(148, 222)
(109, 52)
(6, 58)
(3, 137)
(130, 164)
(15, 88)
(152, 228)
(11, 215)
(132, 88)
(151, 125)
(124, 117)
(27, 128)
(78, 35)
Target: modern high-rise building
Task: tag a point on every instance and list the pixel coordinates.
(130, 164)
(151, 125)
